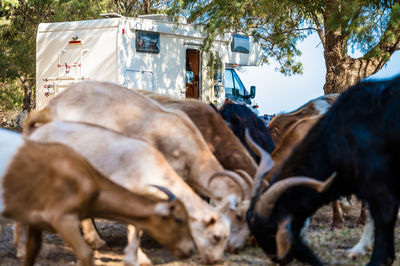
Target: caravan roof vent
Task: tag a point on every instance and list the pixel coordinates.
(164, 18)
(111, 15)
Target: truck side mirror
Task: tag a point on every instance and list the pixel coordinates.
(252, 92)
(216, 90)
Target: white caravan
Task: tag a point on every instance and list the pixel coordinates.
(151, 52)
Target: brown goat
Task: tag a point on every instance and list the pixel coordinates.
(51, 187)
(283, 122)
(290, 139)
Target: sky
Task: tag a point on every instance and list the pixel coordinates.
(277, 93)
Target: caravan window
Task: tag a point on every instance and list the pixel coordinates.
(241, 44)
(148, 42)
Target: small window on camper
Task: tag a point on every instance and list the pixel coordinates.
(241, 44)
(148, 42)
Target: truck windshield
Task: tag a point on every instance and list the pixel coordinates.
(234, 88)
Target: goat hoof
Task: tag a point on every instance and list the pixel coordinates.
(357, 251)
(130, 263)
(143, 259)
(361, 220)
(337, 226)
(354, 254)
(21, 253)
(96, 243)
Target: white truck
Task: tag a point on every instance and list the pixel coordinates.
(151, 52)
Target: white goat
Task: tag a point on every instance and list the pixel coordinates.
(134, 164)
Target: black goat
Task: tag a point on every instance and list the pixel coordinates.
(240, 117)
(359, 139)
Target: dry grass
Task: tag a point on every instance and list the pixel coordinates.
(329, 245)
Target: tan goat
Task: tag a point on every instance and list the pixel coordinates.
(51, 187)
(134, 164)
(227, 148)
(223, 143)
(133, 114)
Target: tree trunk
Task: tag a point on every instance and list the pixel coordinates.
(147, 6)
(345, 72)
(342, 71)
(28, 103)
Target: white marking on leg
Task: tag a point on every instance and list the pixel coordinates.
(366, 239)
(131, 249)
(303, 232)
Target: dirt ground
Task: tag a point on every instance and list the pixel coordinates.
(329, 245)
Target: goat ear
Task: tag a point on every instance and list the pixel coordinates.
(233, 202)
(283, 238)
(163, 209)
(229, 203)
(178, 211)
(210, 220)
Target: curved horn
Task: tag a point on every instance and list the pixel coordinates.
(235, 178)
(246, 177)
(170, 195)
(268, 199)
(266, 162)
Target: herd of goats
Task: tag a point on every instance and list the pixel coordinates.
(195, 177)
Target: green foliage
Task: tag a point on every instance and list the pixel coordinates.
(19, 20)
(268, 21)
(370, 26)
(11, 96)
(363, 25)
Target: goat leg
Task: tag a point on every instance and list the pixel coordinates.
(383, 210)
(337, 216)
(365, 241)
(303, 253)
(91, 235)
(363, 213)
(133, 253)
(33, 244)
(67, 226)
(345, 204)
(20, 234)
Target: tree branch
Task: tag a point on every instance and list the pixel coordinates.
(319, 30)
(24, 15)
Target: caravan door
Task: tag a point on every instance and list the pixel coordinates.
(193, 73)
